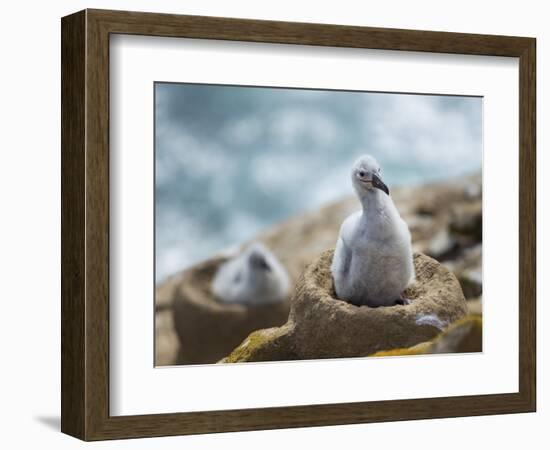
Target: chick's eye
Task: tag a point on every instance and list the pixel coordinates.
(361, 173)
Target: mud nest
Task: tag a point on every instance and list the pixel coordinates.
(208, 329)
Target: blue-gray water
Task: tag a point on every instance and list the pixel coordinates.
(231, 161)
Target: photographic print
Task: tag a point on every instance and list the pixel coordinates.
(300, 224)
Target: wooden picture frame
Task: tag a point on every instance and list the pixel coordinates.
(85, 224)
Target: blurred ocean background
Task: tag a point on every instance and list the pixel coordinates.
(231, 161)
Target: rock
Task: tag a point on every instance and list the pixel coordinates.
(464, 336)
(475, 306)
(166, 339)
(442, 245)
(322, 326)
(208, 330)
(468, 258)
(429, 210)
(164, 293)
(438, 197)
(473, 191)
(471, 282)
(467, 266)
(420, 223)
(466, 220)
(272, 344)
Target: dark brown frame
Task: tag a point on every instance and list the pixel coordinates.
(85, 224)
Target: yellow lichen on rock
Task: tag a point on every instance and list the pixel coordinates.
(418, 349)
(271, 344)
(463, 336)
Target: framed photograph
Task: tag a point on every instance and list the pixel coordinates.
(272, 224)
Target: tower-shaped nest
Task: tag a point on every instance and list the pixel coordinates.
(207, 329)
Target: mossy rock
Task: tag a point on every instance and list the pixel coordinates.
(322, 326)
(463, 336)
(207, 329)
(271, 344)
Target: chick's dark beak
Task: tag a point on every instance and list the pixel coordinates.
(258, 261)
(379, 184)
